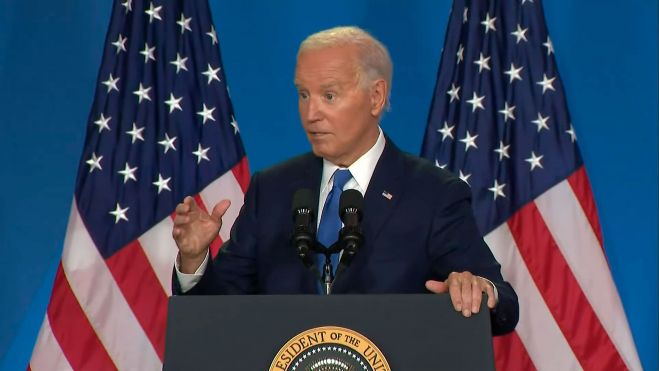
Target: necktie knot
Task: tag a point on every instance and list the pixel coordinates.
(341, 177)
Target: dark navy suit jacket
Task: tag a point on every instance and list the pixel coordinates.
(426, 230)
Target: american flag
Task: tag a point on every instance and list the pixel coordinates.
(499, 121)
(161, 127)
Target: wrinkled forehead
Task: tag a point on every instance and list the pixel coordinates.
(336, 64)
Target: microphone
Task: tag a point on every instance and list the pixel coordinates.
(303, 217)
(350, 237)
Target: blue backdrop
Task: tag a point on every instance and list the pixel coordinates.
(50, 52)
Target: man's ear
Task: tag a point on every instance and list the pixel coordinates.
(379, 91)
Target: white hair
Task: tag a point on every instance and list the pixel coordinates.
(374, 60)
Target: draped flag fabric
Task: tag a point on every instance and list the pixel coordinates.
(161, 128)
(499, 121)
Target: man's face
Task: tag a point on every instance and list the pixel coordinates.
(339, 115)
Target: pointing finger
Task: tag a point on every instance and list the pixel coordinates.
(220, 209)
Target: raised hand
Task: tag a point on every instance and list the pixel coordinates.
(194, 230)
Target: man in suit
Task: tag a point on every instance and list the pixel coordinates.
(419, 230)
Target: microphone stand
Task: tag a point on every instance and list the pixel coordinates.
(327, 278)
(328, 275)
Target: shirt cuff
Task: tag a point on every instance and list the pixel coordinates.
(496, 293)
(188, 281)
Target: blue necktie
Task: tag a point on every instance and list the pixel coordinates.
(330, 223)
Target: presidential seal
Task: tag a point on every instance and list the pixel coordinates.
(329, 349)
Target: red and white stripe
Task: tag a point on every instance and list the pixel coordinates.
(571, 317)
(47, 353)
(111, 314)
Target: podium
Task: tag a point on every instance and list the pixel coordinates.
(308, 332)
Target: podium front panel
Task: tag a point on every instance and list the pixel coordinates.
(246, 332)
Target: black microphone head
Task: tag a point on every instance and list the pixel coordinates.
(303, 218)
(351, 202)
(302, 200)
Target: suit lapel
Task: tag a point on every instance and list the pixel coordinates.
(306, 173)
(309, 177)
(383, 194)
(384, 190)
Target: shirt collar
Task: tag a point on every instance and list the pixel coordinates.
(361, 170)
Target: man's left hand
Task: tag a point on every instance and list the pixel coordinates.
(466, 291)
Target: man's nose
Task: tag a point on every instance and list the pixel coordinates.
(312, 111)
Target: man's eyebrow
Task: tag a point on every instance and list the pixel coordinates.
(332, 84)
(328, 85)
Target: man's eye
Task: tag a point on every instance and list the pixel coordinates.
(329, 96)
(303, 95)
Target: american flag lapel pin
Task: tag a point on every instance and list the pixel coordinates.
(387, 195)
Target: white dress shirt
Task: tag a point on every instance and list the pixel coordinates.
(361, 170)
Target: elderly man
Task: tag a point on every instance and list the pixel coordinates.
(419, 231)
